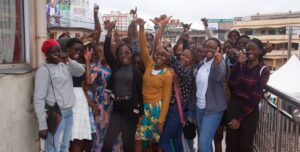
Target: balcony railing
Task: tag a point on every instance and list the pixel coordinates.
(279, 126)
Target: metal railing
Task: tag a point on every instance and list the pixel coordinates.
(279, 126)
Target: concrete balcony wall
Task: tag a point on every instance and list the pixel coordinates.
(18, 122)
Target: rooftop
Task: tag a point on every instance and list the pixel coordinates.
(269, 16)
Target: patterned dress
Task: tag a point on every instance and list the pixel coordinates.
(100, 77)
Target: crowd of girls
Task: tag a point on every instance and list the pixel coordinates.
(138, 93)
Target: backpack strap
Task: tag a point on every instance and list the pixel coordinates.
(261, 70)
(51, 82)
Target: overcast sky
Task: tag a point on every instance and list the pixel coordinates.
(191, 11)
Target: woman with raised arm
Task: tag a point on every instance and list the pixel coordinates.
(81, 136)
(183, 41)
(125, 88)
(100, 74)
(183, 84)
(157, 87)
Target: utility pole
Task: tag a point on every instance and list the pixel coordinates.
(299, 46)
(290, 42)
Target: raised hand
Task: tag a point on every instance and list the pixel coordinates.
(96, 8)
(109, 26)
(91, 36)
(133, 13)
(186, 27)
(88, 54)
(204, 21)
(116, 35)
(155, 21)
(241, 57)
(218, 57)
(164, 20)
(140, 22)
(268, 47)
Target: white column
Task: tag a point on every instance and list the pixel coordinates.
(41, 28)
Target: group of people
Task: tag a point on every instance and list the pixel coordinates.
(138, 93)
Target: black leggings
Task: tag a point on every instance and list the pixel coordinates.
(122, 120)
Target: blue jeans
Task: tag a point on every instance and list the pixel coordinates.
(172, 130)
(59, 142)
(207, 127)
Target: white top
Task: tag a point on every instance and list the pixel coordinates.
(202, 83)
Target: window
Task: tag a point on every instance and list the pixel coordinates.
(272, 32)
(263, 32)
(282, 31)
(248, 32)
(11, 32)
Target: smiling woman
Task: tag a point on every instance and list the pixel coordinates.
(247, 80)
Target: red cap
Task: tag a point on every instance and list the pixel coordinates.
(48, 44)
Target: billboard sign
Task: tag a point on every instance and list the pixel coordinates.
(69, 13)
(220, 24)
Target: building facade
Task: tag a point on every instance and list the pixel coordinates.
(274, 28)
(173, 34)
(123, 19)
(23, 30)
(271, 27)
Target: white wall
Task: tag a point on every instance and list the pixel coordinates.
(18, 122)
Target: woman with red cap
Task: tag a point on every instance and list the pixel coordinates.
(53, 86)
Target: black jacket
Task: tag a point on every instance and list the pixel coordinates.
(137, 77)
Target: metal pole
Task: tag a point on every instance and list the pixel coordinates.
(290, 42)
(299, 48)
(278, 127)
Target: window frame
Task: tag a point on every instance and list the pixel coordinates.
(24, 67)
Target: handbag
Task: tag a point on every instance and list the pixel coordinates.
(189, 130)
(54, 116)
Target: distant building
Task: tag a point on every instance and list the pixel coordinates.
(175, 23)
(271, 27)
(123, 20)
(275, 29)
(174, 29)
(198, 36)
